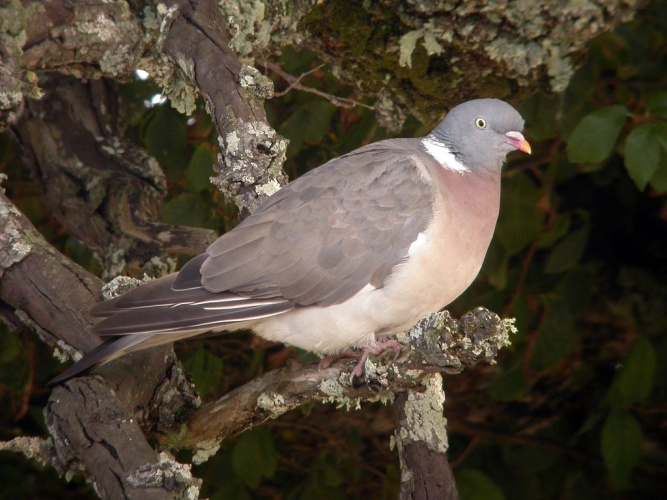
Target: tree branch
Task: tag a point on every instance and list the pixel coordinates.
(53, 295)
(102, 187)
(422, 442)
(295, 83)
(196, 40)
(436, 344)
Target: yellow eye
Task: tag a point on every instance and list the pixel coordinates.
(480, 122)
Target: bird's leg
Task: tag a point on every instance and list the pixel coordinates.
(330, 360)
(376, 348)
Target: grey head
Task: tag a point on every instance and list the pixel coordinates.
(480, 133)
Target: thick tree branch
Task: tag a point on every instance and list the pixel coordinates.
(85, 39)
(106, 190)
(33, 277)
(252, 153)
(422, 442)
(53, 295)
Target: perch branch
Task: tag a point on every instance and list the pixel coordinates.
(437, 343)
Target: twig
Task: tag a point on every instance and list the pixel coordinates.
(294, 84)
(294, 81)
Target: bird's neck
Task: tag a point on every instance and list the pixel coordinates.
(470, 204)
(437, 147)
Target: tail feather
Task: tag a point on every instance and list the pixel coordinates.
(169, 309)
(104, 353)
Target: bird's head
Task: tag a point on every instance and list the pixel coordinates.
(481, 132)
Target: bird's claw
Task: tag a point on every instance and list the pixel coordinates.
(375, 349)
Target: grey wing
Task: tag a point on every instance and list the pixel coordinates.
(319, 240)
(326, 236)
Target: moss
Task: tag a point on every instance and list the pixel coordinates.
(428, 56)
(428, 85)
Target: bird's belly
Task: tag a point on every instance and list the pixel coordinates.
(410, 294)
(331, 329)
(443, 263)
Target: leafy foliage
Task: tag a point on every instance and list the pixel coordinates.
(594, 138)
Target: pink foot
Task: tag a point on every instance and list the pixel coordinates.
(375, 349)
(330, 360)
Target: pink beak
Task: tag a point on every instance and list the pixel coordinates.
(517, 140)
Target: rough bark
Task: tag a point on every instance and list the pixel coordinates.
(420, 57)
(421, 438)
(195, 39)
(105, 438)
(103, 188)
(45, 290)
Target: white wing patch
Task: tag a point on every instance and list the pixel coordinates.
(417, 244)
(443, 156)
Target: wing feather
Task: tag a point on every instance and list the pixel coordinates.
(354, 219)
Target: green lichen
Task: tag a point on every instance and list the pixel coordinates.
(254, 82)
(175, 81)
(273, 403)
(256, 25)
(205, 450)
(424, 416)
(428, 56)
(408, 43)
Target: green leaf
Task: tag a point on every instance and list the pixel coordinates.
(308, 125)
(10, 346)
(621, 443)
(566, 253)
(558, 230)
(539, 111)
(199, 169)
(557, 336)
(165, 137)
(187, 210)
(594, 138)
(657, 104)
(205, 369)
(495, 265)
(232, 489)
(520, 219)
(634, 381)
(254, 457)
(642, 154)
(475, 485)
(659, 179)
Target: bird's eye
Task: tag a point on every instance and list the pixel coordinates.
(480, 122)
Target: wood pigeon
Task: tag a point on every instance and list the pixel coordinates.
(349, 253)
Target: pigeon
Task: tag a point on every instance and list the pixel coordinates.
(346, 255)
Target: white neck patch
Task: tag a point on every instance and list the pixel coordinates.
(442, 155)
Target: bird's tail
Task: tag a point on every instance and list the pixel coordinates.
(111, 349)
